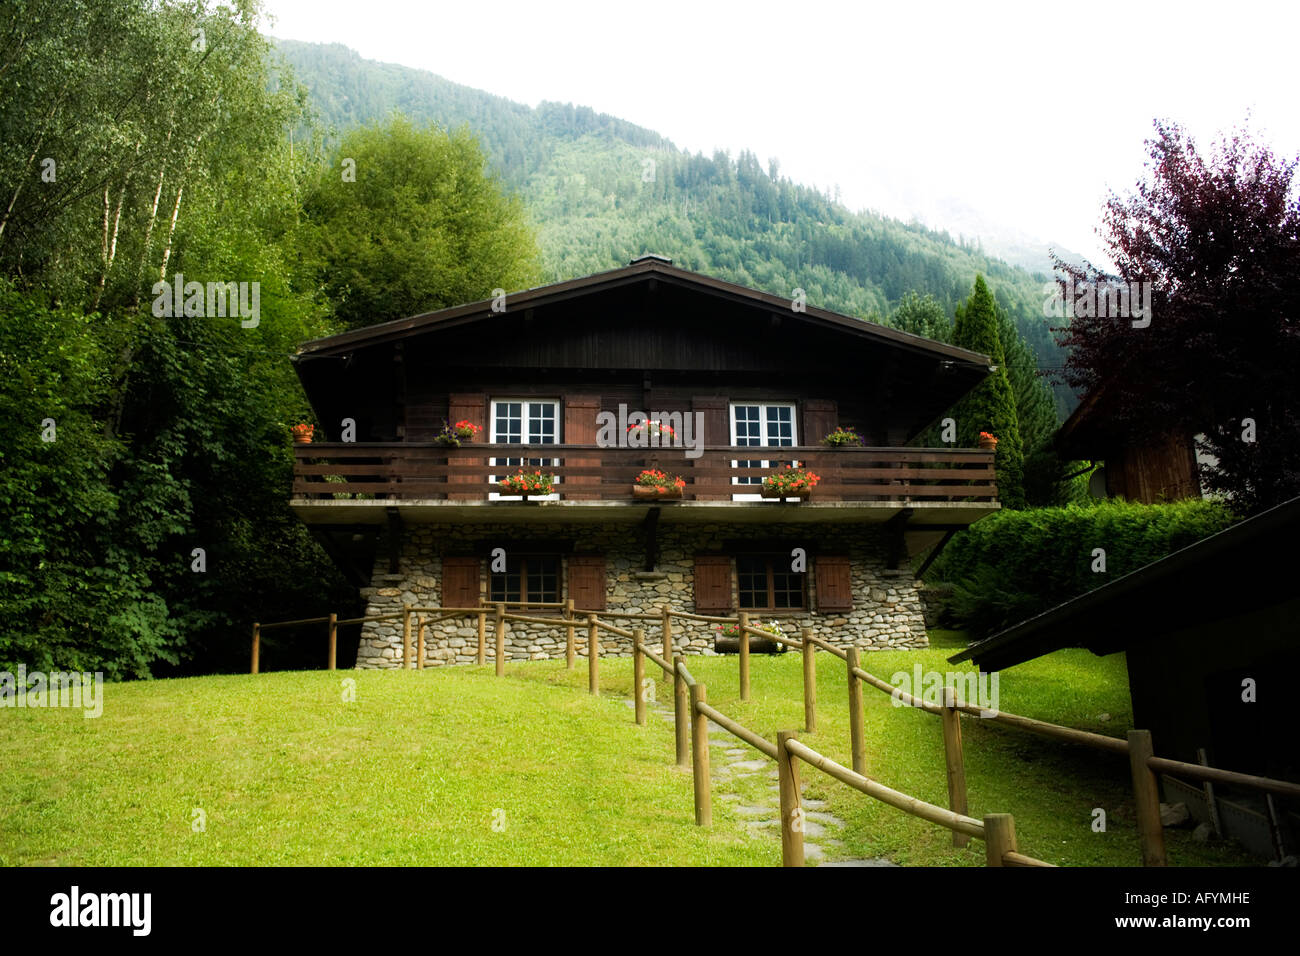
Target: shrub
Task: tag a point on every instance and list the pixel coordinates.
(1015, 564)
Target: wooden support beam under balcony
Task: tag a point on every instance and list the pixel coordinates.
(350, 483)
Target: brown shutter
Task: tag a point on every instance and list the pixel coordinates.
(587, 582)
(460, 583)
(834, 583)
(712, 583)
(580, 429)
(820, 416)
(474, 407)
(715, 430)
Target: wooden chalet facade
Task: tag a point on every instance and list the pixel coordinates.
(748, 381)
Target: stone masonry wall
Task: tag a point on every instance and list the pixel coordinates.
(888, 610)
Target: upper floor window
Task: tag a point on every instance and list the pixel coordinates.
(764, 425)
(524, 421)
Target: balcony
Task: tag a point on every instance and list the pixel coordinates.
(348, 483)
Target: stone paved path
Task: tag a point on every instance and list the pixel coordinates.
(821, 829)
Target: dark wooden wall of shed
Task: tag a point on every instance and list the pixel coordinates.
(1162, 470)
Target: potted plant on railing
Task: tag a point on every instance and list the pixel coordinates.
(452, 435)
(641, 434)
(727, 639)
(790, 483)
(527, 484)
(843, 436)
(653, 483)
(302, 433)
(988, 442)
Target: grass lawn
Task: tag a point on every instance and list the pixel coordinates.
(419, 768)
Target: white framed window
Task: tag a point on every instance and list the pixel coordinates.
(762, 425)
(524, 421)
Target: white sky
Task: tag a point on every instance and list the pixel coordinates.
(1024, 114)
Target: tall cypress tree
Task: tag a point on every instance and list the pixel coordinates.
(991, 406)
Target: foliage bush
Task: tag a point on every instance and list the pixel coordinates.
(1015, 564)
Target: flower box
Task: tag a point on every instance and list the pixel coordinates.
(804, 493)
(658, 492)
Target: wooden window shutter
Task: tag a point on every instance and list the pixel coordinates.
(820, 417)
(474, 407)
(834, 583)
(587, 582)
(715, 429)
(460, 584)
(712, 583)
(580, 413)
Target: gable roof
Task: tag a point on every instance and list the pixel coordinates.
(1192, 586)
(643, 270)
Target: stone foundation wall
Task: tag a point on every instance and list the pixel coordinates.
(888, 611)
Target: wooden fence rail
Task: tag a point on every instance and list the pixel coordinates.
(692, 713)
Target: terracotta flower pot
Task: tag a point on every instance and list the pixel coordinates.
(988, 444)
(302, 439)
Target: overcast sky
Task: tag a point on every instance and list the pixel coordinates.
(1024, 115)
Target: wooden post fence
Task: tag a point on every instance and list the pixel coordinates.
(334, 639)
(744, 655)
(809, 682)
(406, 636)
(700, 758)
(593, 656)
(952, 753)
(856, 729)
(419, 643)
(681, 701)
(666, 626)
(999, 837)
(569, 650)
(257, 646)
(1146, 796)
(500, 637)
(638, 674)
(481, 656)
(792, 822)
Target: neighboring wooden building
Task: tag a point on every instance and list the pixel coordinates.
(1138, 469)
(749, 380)
(1212, 638)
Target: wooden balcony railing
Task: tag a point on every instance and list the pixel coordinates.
(411, 470)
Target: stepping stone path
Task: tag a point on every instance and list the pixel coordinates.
(765, 816)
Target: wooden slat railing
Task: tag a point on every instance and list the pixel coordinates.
(421, 471)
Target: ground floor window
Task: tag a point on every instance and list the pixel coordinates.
(766, 583)
(528, 579)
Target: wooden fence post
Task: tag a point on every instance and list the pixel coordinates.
(856, 730)
(419, 644)
(569, 650)
(482, 639)
(792, 822)
(334, 639)
(952, 752)
(257, 646)
(406, 636)
(700, 758)
(1146, 796)
(638, 674)
(666, 626)
(744, 656)
(500, 637)
(593, 656)
(681, 701)
(999, 837)
(809, 682)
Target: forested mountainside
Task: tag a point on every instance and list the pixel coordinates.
(602, 190)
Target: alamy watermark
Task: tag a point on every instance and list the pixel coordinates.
(654, 430)
(926, 687)
(1114, 300)
(56, 689)
(215, 300)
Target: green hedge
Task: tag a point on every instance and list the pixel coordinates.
(1015, 564)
